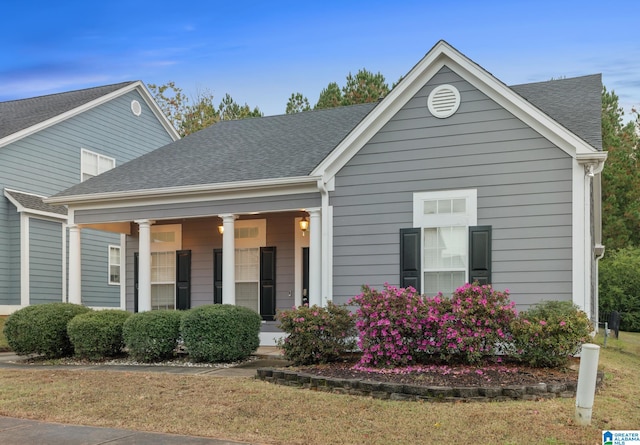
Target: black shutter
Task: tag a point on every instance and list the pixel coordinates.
(480, 254)
(217, 276)
(410, 253)
(183, 279)
(267, 282)
(135, 281)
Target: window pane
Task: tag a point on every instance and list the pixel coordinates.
(444, 206)
(445, 247)
(247, 295)
(114, 274)
(104, 164)
(162, 296)
(248, 264)
(459, 206)
(445, 282)
(430, 207)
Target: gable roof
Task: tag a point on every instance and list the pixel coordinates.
(316, 144)
(33, 203)
(19, 118)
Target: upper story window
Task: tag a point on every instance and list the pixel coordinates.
(93, 164)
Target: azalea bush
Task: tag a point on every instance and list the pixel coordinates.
(478, 324)
(548, 334)
(316, 334)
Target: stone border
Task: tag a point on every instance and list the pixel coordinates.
(399, 391)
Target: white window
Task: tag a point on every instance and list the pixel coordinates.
(165, 240)
(114, 264)
(445, 218)
(93, 164)
(249, 236)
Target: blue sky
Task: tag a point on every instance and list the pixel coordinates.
(262, 51)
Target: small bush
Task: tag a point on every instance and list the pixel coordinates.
(220, 332)
(549, 333)
(316, 334)
(152, 336)
(97, 334)
(42, 329)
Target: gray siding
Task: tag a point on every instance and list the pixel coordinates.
(49, 161)
(523, 184)
(45, 267)
(96, 290)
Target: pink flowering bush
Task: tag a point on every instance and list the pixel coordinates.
(477, 324)
(549, 333)
(398, 327)
(316, 334)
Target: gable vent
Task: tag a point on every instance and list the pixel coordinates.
(443, 101)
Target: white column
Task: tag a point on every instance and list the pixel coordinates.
(315, 257)
(75, 268)
(228, 260)
(144, 265)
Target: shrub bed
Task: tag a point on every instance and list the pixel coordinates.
(152, 336)
(42, 329)
(97, 334)
(220, 332)
(316, 334)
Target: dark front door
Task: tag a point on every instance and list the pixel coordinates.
(305, 276)
(183, 279)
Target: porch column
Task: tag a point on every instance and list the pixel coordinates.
(228, 259)
(315, 257)
(144, 265)
(75, 268)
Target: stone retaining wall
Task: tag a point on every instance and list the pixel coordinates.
(398, 391)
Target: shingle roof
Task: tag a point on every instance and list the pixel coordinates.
(16, 115)
(284, 146)
(576, 103)
(33, 202)
(293, 145)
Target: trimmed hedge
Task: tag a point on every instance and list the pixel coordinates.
(220, 332)
(152, 336)
(42, 329)
(97, 334)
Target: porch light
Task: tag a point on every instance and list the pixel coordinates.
(220, 229)
(304, 225)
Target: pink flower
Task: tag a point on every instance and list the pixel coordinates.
(543, 323)
(562, 323)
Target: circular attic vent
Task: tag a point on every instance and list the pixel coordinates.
(443, 101)
(136, 108)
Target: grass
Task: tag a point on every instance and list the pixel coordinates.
(255, 411)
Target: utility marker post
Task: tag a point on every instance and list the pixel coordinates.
(587, 376)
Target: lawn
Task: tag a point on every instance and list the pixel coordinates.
(254, 411)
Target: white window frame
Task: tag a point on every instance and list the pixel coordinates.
(467, 219)
(118, 265)
(160, 247)
(100, 159)
(256, 229)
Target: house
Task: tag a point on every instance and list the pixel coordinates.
(48, 144)
(452, 177)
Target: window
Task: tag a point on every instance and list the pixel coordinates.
(114, 264)
(93, 164)
(444, 218)
(165, 240)
(249, 236)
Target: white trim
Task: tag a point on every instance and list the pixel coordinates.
(8, 309)
(440, 55)
(191, 193)
(64, 262)
(109, 282)
(25, 290)
(20, 208)
(137, 85)
(123, 271)
(579, 235)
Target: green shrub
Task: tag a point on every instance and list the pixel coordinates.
(220, 332)
(619, 287)
(549, 333)
(152, 336)
(42, 329)
(316, 334)
(97, 334)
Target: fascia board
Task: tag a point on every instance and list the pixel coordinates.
(205, 192)
(148, 98)
(443, 54)
(137, 85)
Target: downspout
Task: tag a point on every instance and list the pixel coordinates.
(326, 262)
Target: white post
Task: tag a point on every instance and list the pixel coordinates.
(228, 260)
(315, 257)
(75, 268)
(587, 376)
(144, 265)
